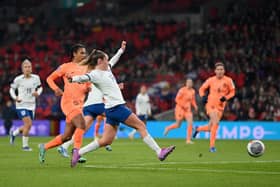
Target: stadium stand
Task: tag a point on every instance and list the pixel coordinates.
(160, 54)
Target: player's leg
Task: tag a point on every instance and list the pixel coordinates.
(108, 136)
(63, 149)
(22, 113)
(27, 121)
(16, 132)
(179, 116)
(99, 119)
(133, 132)
(108, 147)
(205, 128)
(175, 125)
(90, 113)
(88, 120)
(58, 140)
(214, 119)
(107, 139)
(13, 134)
(189, 120)
(134, 122)
(79, 122)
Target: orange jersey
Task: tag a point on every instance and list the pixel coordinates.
(74, 93)
(217, 89)
(185, 98)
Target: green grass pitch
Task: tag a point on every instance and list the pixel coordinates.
(132, 163)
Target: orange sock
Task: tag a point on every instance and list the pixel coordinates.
(203, 128)
(78, 138)
(213, 134)
(54, 142)
(189, 133)
(96, 129)
(173, 126)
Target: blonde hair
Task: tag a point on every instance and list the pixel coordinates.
(92, 58)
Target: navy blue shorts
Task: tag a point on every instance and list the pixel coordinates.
(143, 117)
(25, 113)
(94, 110)
(117, 114)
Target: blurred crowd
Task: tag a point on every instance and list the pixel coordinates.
(162, 54)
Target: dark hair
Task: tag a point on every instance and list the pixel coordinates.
(25, 58)
(75, 48)
(219, 64)
(93, 57)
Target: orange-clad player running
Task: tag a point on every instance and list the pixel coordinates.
(99, 119)
(71, 102)
(185, 99)
(221, 89)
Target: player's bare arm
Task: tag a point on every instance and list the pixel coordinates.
(121, 85)
(123, 45)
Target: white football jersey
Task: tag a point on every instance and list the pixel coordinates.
(95, 96)
(105, 81)
(25, 87)
(142, 104)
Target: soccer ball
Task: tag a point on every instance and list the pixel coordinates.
(255, 148)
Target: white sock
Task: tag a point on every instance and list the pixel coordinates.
(16, 132)
(25, 141)
(152, 143)
(89, 147)
(68, 143)
(132, 133)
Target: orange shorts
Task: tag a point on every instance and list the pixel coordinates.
(71, 109)
(180, 113)
(73, 114)
(210, 109)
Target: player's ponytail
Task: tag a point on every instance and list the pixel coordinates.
(93, 57)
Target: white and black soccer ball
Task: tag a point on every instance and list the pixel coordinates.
(255, 148)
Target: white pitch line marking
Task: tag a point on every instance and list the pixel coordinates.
(185, 169)
(204, 162)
